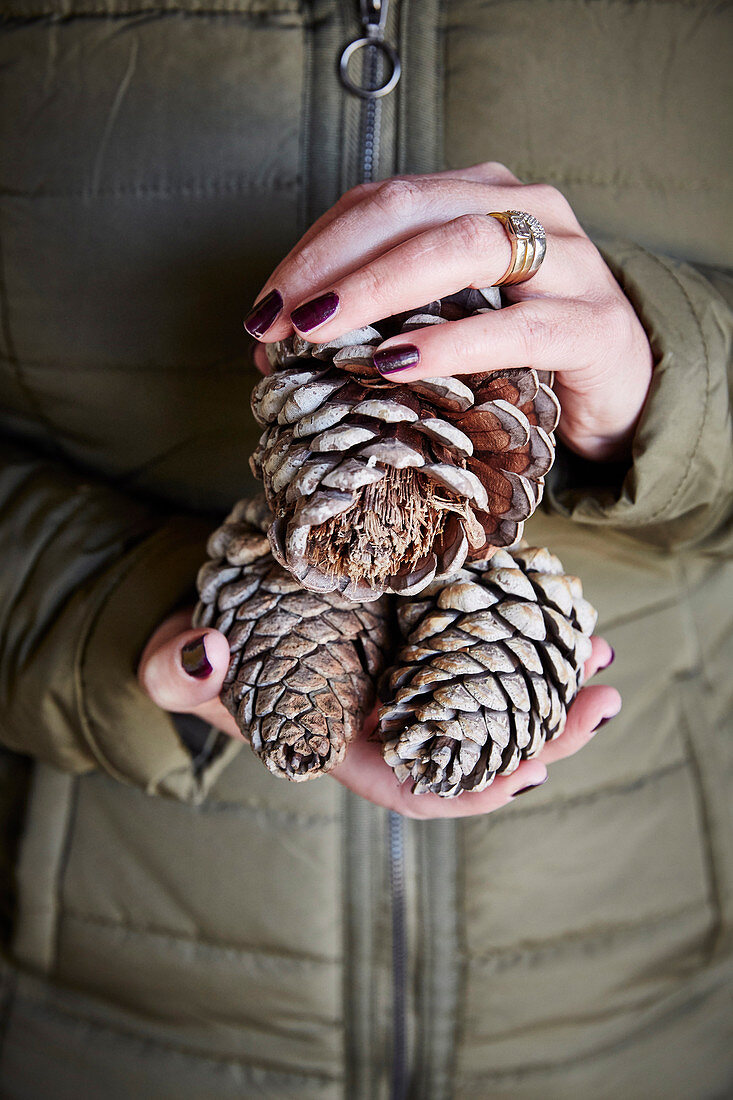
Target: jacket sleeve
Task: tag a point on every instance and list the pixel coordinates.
(88, 573)
(677, 491)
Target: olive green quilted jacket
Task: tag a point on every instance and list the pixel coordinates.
(177, 923)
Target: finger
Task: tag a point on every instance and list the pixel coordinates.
(489, 172)
(260, 359)
(601, 657)
(547, 334)
(468, 250)
(600, 388)
(590, 709)
(185, 670)
(215, 713)
(365, 772)
(174, 624)
(393, 213)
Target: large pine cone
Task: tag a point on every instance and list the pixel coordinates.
(380, 486)
(303, 665)
(493, 659)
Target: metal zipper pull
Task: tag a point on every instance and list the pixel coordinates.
(374, 20)
(374, 16)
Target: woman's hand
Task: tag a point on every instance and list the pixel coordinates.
(175, 648)
(392, 246)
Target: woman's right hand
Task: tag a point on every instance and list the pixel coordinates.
(392, 245)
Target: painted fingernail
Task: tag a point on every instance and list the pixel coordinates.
(194, 659)
(264, 314)
(530, 787)
(603, 722)
(396, 358)
(610, 660)
(316, 312)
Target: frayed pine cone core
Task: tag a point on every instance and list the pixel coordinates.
(398, 519)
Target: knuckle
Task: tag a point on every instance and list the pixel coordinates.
(619, 322)
(462, 349)
(589, 319)
(534, 332)
(583, 246)
(585, 256)
(398, 196)
(547, 198)
(307, 269)
(472, 231)
(374, 286)
(356, 194)
(498, 172)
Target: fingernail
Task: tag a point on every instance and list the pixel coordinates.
(316, 312)
(603, 722)
(610, 660)
(262, 315)
(396, 358)
(194, 659)
(531, 787)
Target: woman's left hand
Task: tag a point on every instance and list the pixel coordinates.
(389, 247)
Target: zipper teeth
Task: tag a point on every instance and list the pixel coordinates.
(371, 119)
(399, 954)
(371, 116)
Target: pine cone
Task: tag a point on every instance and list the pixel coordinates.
(493, 659)
(381, 486)
(303, 665)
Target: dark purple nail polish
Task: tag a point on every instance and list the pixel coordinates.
(610, 660)
(602, 723)
(194, 659)
(530, 787)
(264, 314)
(316, 312)
(397, 358)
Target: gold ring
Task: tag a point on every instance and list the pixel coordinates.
(528, 242)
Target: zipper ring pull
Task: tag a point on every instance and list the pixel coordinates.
(390, 54)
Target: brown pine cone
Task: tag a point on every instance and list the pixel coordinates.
(381, 486)
(493, 658)
(303, 664)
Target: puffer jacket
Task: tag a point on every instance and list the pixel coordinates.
(177, 923)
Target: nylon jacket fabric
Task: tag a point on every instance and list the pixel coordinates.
(189, 926)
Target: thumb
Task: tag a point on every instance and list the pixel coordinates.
(186, 670)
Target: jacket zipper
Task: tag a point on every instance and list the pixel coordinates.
(399, 955)
(375, 84)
